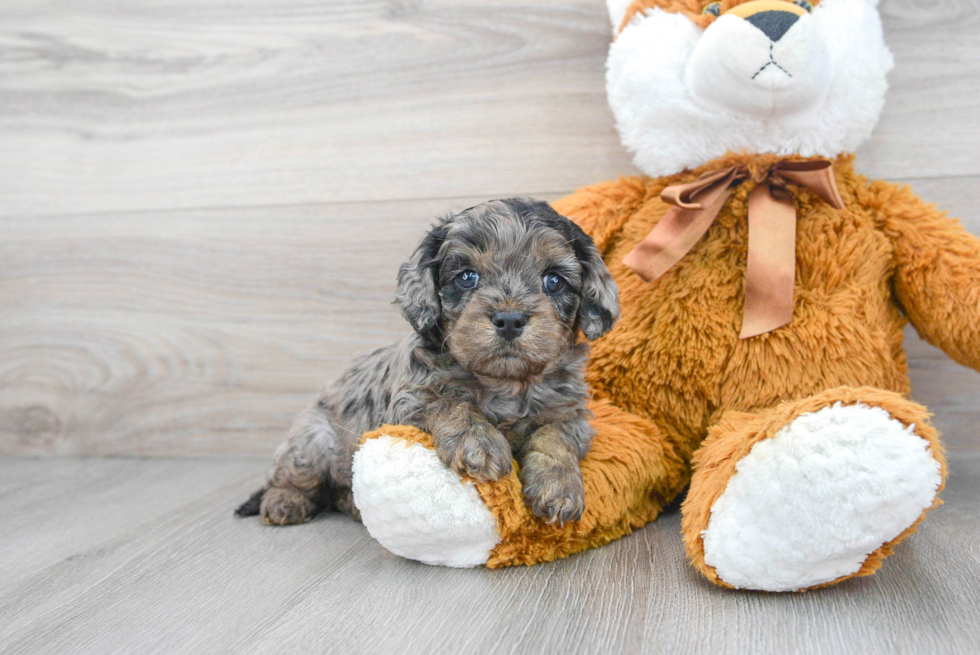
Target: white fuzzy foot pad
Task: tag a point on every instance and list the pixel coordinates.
(809, 505)
(417, 508)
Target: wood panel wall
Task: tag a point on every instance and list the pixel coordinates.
(203, 205)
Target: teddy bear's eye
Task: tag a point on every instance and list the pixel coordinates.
(806, 5)
(714, 8)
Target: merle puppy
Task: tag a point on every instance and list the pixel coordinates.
(496, 295)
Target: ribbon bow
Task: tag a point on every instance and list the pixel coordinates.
(771, 267)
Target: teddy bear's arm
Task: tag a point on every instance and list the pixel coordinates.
(601, 209)
(937, 276)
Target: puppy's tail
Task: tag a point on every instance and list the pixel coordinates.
(251, 506)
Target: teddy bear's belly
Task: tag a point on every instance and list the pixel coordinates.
(687, 374)
(676, 357)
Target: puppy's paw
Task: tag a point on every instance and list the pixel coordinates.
(482, 453)
(285, 507)
(554, 492)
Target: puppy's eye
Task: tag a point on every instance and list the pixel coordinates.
(553, 283)
(713, 9)
(806, 5)
(468, 279)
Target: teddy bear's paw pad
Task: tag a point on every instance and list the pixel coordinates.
(417, 508)
(809, 505)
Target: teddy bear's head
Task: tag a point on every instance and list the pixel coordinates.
(689, 80)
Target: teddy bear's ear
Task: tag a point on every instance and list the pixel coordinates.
(417, 293)
(617, 11)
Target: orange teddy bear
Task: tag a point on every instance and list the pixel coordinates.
(769, 379)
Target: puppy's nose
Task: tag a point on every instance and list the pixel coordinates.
(509, 324)
(773, 23)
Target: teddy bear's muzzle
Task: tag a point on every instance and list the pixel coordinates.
(762, 58)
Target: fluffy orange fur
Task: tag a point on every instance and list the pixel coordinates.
(694, 9)
(683, 398)
(630, 473)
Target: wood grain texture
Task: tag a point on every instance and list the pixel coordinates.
(203, 205)
(194, 332)
(112, 106)
(928, 127)
(206, 331)
(147, 558)
(202, 208)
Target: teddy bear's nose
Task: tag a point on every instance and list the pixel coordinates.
(773, 23)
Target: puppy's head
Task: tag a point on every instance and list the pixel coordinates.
(505, 285)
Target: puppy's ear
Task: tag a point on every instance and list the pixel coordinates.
(417, 294)
(598, 308)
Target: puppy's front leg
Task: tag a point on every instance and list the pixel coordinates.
(467, 443)
(550, 473)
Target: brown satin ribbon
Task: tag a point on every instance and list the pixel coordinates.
(771, 266)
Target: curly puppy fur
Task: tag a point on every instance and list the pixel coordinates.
(496, 295)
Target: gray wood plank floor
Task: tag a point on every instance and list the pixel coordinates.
(202, 208)
(143, 555)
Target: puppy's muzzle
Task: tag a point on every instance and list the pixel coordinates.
(509, 324)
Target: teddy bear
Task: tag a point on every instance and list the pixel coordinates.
(758, 364)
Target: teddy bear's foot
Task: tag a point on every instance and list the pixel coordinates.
(813, 492)
(417, 508)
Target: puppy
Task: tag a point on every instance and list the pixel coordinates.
(496, 295)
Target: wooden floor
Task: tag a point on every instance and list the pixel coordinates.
(202, 209)
(143, 555)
